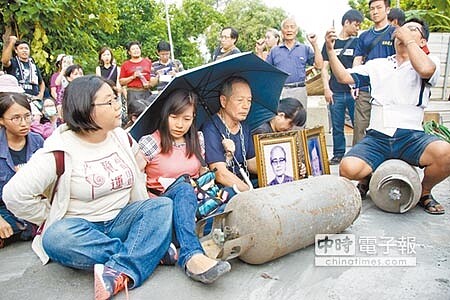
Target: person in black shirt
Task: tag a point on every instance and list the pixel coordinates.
(23, 67)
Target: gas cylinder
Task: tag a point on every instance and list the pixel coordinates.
(283, 218)
(395, 186)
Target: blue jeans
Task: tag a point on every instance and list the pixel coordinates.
(184, 208)
(342, 101)
(132, 243)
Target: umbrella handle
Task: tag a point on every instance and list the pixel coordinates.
(246, 179)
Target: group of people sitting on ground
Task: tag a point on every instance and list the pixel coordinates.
(99, 198)
(95, 199)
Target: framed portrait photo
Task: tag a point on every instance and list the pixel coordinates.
(316, 156)
(278, 157)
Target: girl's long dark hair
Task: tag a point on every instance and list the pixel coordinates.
(176, 103)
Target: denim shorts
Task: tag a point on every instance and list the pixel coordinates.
(406, 144)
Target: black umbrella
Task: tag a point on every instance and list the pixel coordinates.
(266, 83)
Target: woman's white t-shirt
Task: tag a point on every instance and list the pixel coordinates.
(101, 179)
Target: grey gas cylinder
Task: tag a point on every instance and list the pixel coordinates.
(395, 186)
(276, 220)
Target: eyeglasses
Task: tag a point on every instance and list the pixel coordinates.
(224, 37)
(16, 120)
(278, 161)
(114, 100)
(416, 28)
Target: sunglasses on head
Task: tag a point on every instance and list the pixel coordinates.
(416, 28)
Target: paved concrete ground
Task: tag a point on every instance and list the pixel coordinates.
(291, 277)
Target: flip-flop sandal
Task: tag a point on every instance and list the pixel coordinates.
(431, 203)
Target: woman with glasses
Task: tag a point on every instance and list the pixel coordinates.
(97, 214)
(228, 39)
(17, 144)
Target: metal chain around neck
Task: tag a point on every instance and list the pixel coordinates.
(230, 162)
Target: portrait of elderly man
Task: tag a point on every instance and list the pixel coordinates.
(278, 163)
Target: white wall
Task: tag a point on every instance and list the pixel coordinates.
(438, 44)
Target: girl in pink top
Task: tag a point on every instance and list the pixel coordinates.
(171, 151)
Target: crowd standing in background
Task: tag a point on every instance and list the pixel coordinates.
(55, 90)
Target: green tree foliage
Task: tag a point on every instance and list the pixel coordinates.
(435, 12)
(138, 20)
(251, 19)
(53, 27)
(189, 25)
(80, 28)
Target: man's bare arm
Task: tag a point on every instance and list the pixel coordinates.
(7, 51)
(227, 178)
(342, 75)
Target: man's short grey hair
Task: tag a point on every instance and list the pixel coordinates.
(288, 19)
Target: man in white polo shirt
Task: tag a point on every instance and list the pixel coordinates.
(400, 89)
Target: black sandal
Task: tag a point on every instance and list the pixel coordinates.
(431, 203)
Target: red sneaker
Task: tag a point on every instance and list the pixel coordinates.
(108, 282)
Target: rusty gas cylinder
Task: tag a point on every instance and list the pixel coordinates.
(395, 186)
(286, 217)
